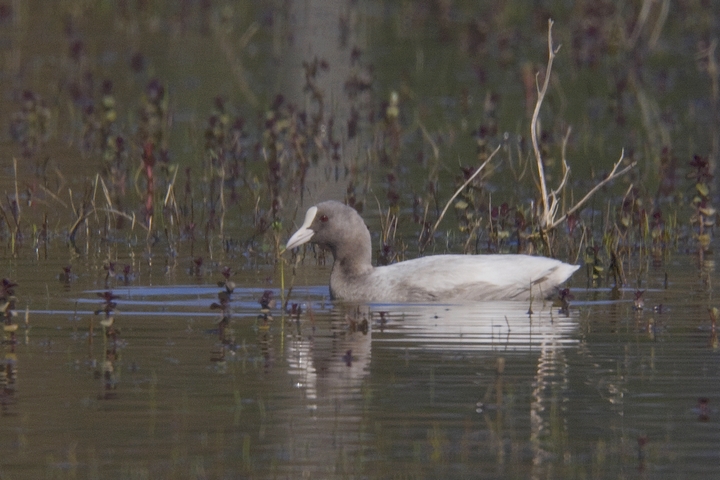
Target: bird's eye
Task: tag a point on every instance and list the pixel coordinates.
(324, 218)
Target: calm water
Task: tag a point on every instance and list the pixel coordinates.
(479, 390)
(420, 391)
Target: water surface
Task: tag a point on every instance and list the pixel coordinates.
(479, 389)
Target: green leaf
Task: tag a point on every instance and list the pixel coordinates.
(702, 189)
(704, 239)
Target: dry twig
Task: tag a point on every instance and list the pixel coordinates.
(550, 200)
(547, 207)
(457, 192)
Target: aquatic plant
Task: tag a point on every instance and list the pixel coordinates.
(8, 302)
(266, 301)
(223, 305)
(8, 365)
(67, 275)
(549, 216)
(714, 314)
(106, 368)
(153, 115)
(30, 126)
(704, 214)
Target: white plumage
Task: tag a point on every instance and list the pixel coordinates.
(339, 228)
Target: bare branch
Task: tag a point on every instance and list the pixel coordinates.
(457, 192)
(546, 217)
(640, 23)
(614, 173)
(550, 198)
(566, 167)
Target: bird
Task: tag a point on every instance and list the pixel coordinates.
(436, 278)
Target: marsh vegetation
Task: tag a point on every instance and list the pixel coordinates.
(157, 144)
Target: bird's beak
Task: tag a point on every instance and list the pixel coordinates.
(304, 233)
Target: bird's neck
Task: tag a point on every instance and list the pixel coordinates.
(352, 264)
(348, 277)
(354, 261)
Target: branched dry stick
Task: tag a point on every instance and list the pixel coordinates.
(566, 167)
(550, 200)
(641, 21)
(546, 217)
(553, 202)
(457, 192)
(614, 173)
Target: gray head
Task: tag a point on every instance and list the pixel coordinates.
(337, 227)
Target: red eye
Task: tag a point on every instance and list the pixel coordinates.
(324, 218)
